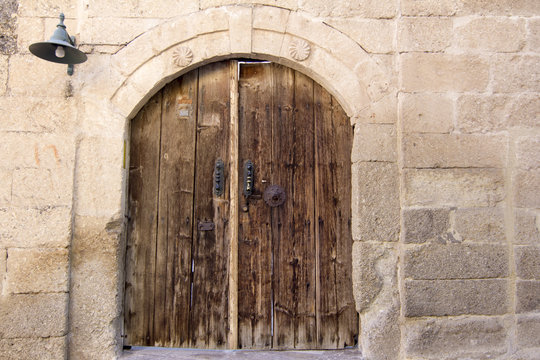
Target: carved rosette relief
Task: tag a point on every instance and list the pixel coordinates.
(182, 56)
(299, 49)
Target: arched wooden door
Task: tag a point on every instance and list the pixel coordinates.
(283, 242)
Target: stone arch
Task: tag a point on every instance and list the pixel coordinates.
(134, 74)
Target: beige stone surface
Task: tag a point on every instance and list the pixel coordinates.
(99, 179)
(374, 142)
(429, 7)
(499, 7)
(533, 37)
(375, 202)
(423, 225)
(49, 269)
(3, 73)
(455, 297)
(44, 8)
(40, 227)
(443, 72)
(528, 296)
(528, 328)
(50, 348)
(527, 262)
(3, 259)
(526, 227)
(528, 152)
(480, 113)
(384, 9)
(465, 151)
(6, 184)
(291, 4)
(472, 337)
(240, 24)
(453, 187)
(95, 288)
(140, 8)
(491, 34)
(42, 187)
(480, 224)
(527, 189)
(424, 34)
(373, 35)
(33, 315)
(97, 30)
(456, 261)
(516, 73)
(380, 112)
(26, 114)
(426, 113)
(270, 18)
(524, 111)
(381, 334)
(32, 76)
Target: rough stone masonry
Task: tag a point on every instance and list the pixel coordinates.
(444, 96)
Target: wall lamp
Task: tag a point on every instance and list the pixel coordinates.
(60, 48)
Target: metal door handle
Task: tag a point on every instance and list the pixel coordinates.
(249, 178)
(219, 178)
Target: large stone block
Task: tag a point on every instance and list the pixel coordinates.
(97, 180)
(499, 7)
(375, 201)
(51, 348)
(443, 72)
(479, 113)
(429, 7)
(97, 30)
(468, 338)
(424, 34)
(3, 74)
(491, 34)
(380, 112)
(448, 150)
(426, 113)
(95, 288)
(455, 297)
(480, 224)
(33, 315)
(37, 270)
(380, 337)
(527, 189)
(380, 9)
(45, 8)
(422, 225)
(30, 30)
(526, 227)
(528, 296)
(375, 36)
(533, 39)
(453, 187)
(528, 152)
(456, 261)
(374, 142)
(42, 187)
(46, 227)
(37, 114)
(527, 262)
(516, 73)
(524, 111)
(528, 330)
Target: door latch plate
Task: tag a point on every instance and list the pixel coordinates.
(274, 195)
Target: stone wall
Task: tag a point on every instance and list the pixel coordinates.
(444, 96)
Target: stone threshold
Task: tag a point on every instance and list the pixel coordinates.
(159, 353)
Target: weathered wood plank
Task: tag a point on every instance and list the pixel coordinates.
(209, 308)
(293, 223)
(142, 224)
(255, 246)
(177, 170)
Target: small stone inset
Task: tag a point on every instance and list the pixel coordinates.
(299, 49)
(182, 56)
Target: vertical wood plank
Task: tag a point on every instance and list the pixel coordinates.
(234, 207)
(254, 238)
(209, 308)
(338, 320)
(293, 222)
(175, 223)
(142, 224)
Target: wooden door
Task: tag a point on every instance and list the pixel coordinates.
(294, 287)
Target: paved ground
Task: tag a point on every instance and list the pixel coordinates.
(152, 353)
